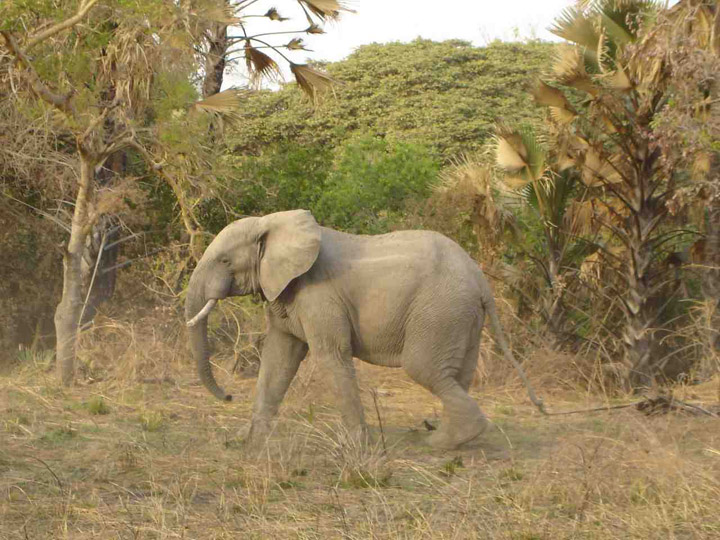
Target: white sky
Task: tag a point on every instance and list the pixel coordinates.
(382, 21)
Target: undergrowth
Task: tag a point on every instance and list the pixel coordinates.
(138, 449)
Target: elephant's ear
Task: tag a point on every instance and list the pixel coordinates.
(291, 246)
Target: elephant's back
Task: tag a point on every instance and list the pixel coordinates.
(397, 266)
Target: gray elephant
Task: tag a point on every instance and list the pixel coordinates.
(410, 299)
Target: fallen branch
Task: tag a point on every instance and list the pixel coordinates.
(648, 406)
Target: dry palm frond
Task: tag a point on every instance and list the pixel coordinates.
(260, 65)
(515, 183)
(223, 14)
(560, 108)
(468, 183)
(296, 44)
(562, 116)
(510, 152)
(701, 165)
(548, 95)
(563, 160)
(315, 29)
(578, 219)
(521, 154)
(573, 25)
(326, 9)
(273, 15)
(648, 72)
(617, 79)
(313, 82)
(598, 169)
(225, 103)
(569, 69)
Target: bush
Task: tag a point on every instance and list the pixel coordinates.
(372, 181)
(363, 187)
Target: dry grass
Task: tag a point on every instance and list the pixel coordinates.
(114, 457)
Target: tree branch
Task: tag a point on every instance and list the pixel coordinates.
(58, 101)
(59, 27)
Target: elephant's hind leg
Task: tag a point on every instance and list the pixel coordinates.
(443, 359)
(462, 420)
(448, 376)
(466, 375)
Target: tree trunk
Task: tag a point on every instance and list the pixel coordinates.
(215, 59)
(639, 310)
(100, 253)
(67, 314)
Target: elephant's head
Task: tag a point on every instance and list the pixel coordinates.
(251, 255)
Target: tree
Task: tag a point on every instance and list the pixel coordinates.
(543, 178)
(371, 182)
(447, 95)
(123, 80)
(608, 94)
(688, 128)
(102, 110)
(219, 49)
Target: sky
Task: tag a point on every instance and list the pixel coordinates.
(382, 21)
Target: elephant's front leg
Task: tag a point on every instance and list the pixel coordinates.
(279, 362)
(337, 358)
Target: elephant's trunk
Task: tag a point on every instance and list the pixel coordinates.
(194, 303)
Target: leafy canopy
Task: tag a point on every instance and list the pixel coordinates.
(446, 94)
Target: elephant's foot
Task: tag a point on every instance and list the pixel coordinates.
(453, 435)
(258, 435)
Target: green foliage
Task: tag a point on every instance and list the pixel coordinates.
(361, 187)
(446, 94)
(371, 181)
(282, 177)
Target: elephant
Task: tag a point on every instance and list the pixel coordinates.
(412, 299)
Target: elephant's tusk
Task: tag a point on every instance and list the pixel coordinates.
(203, 312)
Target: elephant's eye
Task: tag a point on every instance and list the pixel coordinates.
(225, 260)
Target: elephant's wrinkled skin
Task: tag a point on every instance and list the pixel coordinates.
(411, 299)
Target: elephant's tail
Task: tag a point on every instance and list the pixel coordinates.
(491, 310)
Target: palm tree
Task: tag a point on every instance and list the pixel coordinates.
(607, 93)
(689, 33)
(545, 182)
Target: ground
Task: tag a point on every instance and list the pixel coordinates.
(160, 458)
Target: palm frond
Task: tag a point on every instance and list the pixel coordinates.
(623, 19)
(326, 9)
(617, 79)
(224, 103)
(296, 44)
(569, 68)
(510, 153)
(598, 169)
(273, 15)
(578, 218)
(313, 82)
(218, 13)
(550, 96)
(515, 183)
(260, 65)
(575, 26)
(536, 153)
